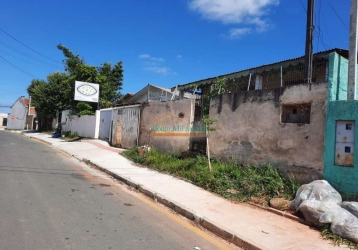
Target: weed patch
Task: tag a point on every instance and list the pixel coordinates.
(230, 180)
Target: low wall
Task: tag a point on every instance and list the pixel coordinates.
(167, 126)
(250, 129)
(85, 126)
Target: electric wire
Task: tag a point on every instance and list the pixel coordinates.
(314, 30)
(1, 51)
(29, 47)
(24, 54)
(325, 25)
(337, 15)
(318, 22)
(23, 71)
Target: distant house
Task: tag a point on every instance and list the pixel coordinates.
(22, 115)
(156, 93)
(125, 98)
(3, 120)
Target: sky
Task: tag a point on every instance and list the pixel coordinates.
(161, 42)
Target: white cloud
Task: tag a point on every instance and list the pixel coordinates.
(159, 59)
(239, 32)
(144, 56)
(147, 56)
(244, 12)
(159, 70)
(179, 56)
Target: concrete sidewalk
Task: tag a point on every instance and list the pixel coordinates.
(244, 225)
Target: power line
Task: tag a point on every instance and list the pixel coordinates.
(315, 31)
(24, 54)
(29, 47)
(325, 25)
(24, 60)
(337, 15)
(23, 71)
(318, 21)
(303, 6)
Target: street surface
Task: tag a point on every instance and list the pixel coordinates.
(49, 200)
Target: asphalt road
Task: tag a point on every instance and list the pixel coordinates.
(51, 201)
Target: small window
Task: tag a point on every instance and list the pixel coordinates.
(347, 149)
(296, 113)
(348, 126)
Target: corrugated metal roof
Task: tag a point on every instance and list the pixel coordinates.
(262, 68)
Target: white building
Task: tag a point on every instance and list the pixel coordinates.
(22, 115)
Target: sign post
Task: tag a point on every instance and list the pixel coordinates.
(87, 92)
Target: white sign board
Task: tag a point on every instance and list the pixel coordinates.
(87, 92)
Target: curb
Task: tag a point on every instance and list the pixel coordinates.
(204, 222)
(38, 139)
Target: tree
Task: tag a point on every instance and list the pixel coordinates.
(55, 94)
(215, 89)
(109, 78)
(49, 97)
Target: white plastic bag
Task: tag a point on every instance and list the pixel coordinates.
(343, 223)
(351, 206)
(313, 209)
(319, 190)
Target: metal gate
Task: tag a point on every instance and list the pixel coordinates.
(124, 127)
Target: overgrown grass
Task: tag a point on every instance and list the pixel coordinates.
(247, 181)
(230, 180)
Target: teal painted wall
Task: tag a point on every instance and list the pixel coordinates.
(344, 179)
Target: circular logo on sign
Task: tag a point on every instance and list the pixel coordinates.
(87, 90)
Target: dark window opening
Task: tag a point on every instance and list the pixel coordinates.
(197, 112)
(4, 122)
(348, 126)
(296, 113)
(347, 149)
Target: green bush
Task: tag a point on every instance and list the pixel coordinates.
(71, 135)
(84, 109)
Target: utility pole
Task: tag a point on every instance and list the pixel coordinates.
(28, 113)
(309, 42)
(352, 64)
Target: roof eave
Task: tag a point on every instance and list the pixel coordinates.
(259, 69)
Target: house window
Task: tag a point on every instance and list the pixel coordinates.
(296, 113)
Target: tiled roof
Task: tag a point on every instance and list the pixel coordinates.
(26, 101)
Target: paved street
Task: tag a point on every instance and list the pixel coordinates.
(51, 201)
